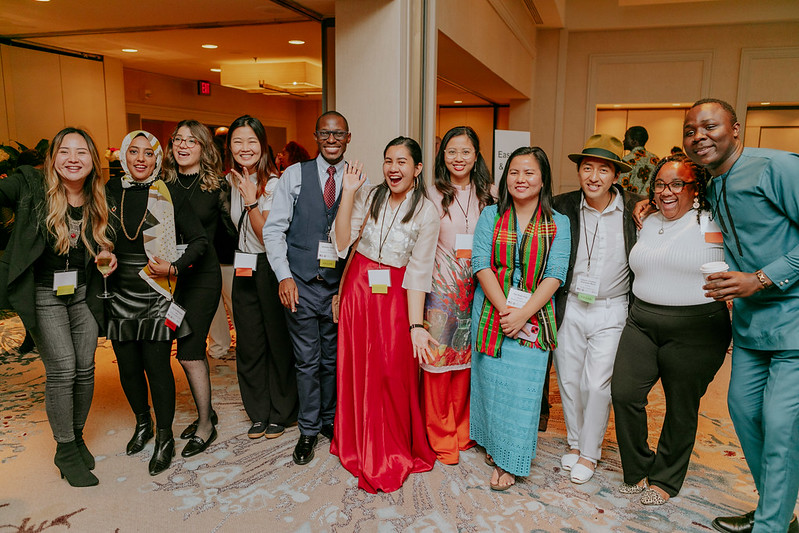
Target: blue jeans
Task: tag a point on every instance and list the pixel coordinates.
(66, 337)
(764, 407)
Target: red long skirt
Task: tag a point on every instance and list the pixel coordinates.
(379, 430)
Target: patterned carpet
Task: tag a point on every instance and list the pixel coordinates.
(252, 485)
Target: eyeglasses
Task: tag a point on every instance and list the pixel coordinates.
(323, 135)
(191, 142)
(452, 153)
(675, 186)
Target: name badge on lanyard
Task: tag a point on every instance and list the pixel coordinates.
(710, 229)
(327, 255)
(516, 300)
(379, 281)
(65, 282)
(587, 288)
(174, 316)
(245, 264)
(463, 245)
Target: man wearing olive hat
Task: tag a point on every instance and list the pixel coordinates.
(591, 306)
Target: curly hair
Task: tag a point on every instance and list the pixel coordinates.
(480, 176)
(701, 176)
(210, 162)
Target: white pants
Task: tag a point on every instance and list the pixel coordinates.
(587, 343)
(219, 335)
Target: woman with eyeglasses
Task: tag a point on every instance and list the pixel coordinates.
(461, 190)
(49, 275)
(143, 317)
(192, 163)
(673, 333)
(264, 355)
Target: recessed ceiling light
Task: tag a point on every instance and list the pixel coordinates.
(210, 46)
(458, 102)
(676, 105)
(296, 41)
(619, 105)
(129, 50)
(42, 0)
(216, 70)
(765, 103)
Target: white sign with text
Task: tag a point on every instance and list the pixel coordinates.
(505, 142)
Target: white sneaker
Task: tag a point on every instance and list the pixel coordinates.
(581, 473)
(568, 460)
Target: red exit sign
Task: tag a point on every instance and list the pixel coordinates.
(203, 88)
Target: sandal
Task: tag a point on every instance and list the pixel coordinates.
(490, 460)
(499, 486)
(652, 497)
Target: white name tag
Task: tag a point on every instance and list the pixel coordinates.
(587, 288)
(245, 264)
(517, 298)
(463, 245)
(181, 249)
(174, 316)
(380, 280)
(65, 283)
(327, 255)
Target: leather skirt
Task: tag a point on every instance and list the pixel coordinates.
(137, 312)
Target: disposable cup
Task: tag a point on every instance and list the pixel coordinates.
(713, 267)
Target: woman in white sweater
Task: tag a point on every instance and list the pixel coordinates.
(674, 332)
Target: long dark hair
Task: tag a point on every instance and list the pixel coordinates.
(266, 166)
(544, 197)
(701, 175)
(380, 193)
(480, 176)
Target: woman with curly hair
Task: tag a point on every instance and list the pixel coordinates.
(673, 333)
(48, 276)
(193, 164)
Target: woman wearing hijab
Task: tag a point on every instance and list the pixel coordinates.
(139, 327)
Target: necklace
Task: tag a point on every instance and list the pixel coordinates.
(190, 184)
(663, 226)
(122, 219)
(74, 230)
(464, 211)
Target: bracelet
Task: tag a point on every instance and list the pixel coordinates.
(762, 279)
(250, 207)
(415, 326)
(173, 269)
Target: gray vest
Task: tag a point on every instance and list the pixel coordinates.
(310, 224)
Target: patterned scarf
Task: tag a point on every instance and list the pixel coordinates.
(535, 244)
(159, 226)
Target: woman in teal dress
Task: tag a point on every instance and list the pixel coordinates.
(513, 319)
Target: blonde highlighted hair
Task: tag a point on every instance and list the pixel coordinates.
(210, 161)
(95, 212)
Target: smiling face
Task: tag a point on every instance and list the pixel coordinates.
(400, 171)
(140, 158)
(524, 179)
(187, 157)
(710, 138)
(73, 160)
(460, 157)
(597, 176)
(674, 205)
(332, 149)
(245, 148)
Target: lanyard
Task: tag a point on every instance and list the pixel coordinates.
(590, 249)
(466, 211)
(382, 222)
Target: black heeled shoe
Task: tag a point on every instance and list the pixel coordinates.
(71, 465)
(142, 433)
(163, 452)
(85, 454)
(191, 429)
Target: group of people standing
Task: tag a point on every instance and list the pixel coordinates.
(344, 290)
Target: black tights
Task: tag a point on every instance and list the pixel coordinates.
(137, 358)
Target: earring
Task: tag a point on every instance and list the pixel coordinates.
(696, 201)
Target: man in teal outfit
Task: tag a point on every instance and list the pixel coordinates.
(754, 195)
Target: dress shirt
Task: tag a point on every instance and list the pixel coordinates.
(608, 257)
(248, 240)
(285, 196)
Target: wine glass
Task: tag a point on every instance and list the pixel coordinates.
(104, 266)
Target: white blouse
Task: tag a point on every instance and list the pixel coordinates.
(249, 242)
(411, 244)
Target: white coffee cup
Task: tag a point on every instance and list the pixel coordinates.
(713, 267)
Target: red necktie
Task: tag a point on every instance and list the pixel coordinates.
(330, 187)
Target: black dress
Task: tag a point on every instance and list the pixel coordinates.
(200, 286)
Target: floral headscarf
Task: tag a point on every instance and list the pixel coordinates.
(127, 179)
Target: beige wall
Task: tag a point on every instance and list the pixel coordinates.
(773, 128)
(654, 66)
(664, 126)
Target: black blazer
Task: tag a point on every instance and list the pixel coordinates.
(569, 205)
(23, 191)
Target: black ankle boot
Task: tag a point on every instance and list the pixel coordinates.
(71, 465)
(164, 451)
(85, 454)
(142, 433)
